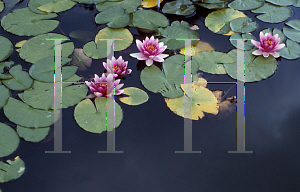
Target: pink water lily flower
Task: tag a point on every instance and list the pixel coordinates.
(104, 86)
(117, 66)
(150, 50)
(268, 45)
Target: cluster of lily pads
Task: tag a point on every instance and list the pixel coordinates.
(33, 110)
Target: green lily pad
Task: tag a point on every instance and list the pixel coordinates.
(247, 43)
(1, 6)
(275, 31)
(243, 25)
(213, 5)
(297, 4)
(9, 141)
(52, 5)
(20, 113)
(4, 95)
(11, 170)
(20, 81)
(98, 49)
(33, 6)
(256, 68)
(148, 19)
(43, 70)
(179, 7)
(130, 6)
(291, 50)
(292, 34)
(167, 82)
(135, 96)
(273, 13)
(80, 59)
(41, 95)
(33, 134)
(180, 24)
(5, 64)
(246, 4)
(92, 118)
(6, 48)
(39, 47)
(282, 2)
(210, 61)
(294, 24)
(24, 22)
(216, 20)
(172, 33)
(115, 17)
(90, 1)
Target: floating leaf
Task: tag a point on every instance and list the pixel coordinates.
(247, 43)
(273, 13)
(20, 81)
(179, 7)
(129, 5)
(246, 4)
(198, 97)
(243, 25)
(197, 47)
(11, 170)
(33, 6)
(294, 24)
(283, 3)
(148, 19)
(115, 17)
(216, 20)
(93, 119)
(9, 141)
(150, 3)
(33, 134)
(172, 33)
(297, 4)
(213, 5)
(20, 113)
(256, 68)
(135, 96)
(292, 34)
(291, 50)
(20, 44)
(96, 50)
(210, 61)
(54, 5)
(5, 64)
(122, 33)
(24, 22)
(4, 95)
(167, 82)
(1, 6)
(6, 48)
(39, 47)
(90, 1)
(41, 94)
(43, 70)
(80, 59)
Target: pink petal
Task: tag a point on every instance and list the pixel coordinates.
(277, 47)
(139, 56)
(149, 62)
(255, 43)
(257, 52)
(275, 54)
(128, 71)
(265, 54)
(98, 94)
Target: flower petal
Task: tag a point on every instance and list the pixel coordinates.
(266, 54)
(255, 43)
(149, 62)
(277, 47)
(257, 52)
(275, 54)
(139, 56)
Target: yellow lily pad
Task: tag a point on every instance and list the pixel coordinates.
(19, 45)
(200, 98)
(197, 47)
(150, 3)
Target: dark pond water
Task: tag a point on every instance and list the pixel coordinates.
(150, 133)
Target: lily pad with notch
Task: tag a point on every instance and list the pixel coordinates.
(246, 4)
(33, 134)
(9, 141)
(291, 50)
(20, 81)
(134, 96)
(11, 170)
(179, 7)
(273, 13)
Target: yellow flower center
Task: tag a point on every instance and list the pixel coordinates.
(116, 67)
(150, 47)
(268, 42)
